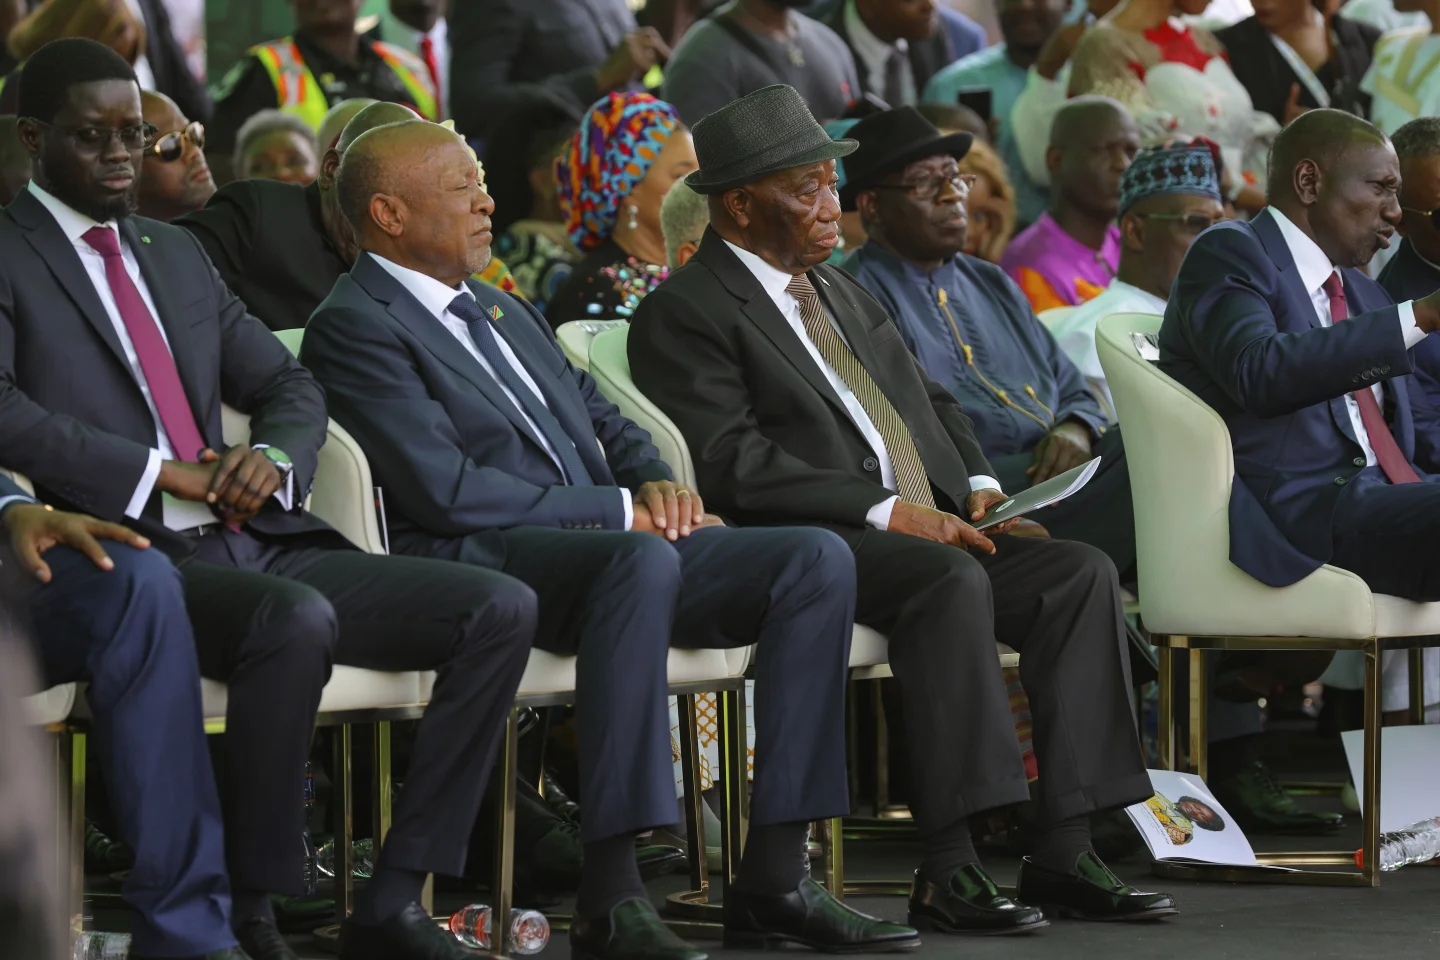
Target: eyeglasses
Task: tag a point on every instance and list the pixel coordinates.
(171, 146)
(1189, 222)
(1434, 215)
(931, 189)
(95, 139)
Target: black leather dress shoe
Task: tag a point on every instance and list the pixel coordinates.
(632, 931)
(262, 940)
(657, 859)
(1260, 805)
(970, 903)
(1091, 893)
(808, 917)
(409, 935)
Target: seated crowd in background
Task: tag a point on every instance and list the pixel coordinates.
(863, 257)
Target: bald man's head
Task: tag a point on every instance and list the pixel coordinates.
(14, 161)
(411, 192)
(340, 114)
(1337, 178)
(369, 116)
(1092, 141)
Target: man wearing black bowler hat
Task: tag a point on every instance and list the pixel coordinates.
(801, 405)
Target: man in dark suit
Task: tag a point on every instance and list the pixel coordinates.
(898, 45)
(118, 344)
(495, 452)
(280, 246)
(115, 619)
(801, 404)
(1274, 325)
(169, 64)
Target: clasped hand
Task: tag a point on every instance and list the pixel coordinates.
(931, 524)
(670, 509)
(235, 485)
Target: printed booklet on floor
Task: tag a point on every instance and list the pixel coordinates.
(1184, 822)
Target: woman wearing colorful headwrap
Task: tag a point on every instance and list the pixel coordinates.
(628, 153)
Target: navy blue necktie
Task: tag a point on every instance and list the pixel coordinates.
(576, 473)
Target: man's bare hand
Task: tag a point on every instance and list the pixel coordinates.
(244, 479)
(34, 529)
(931, 524)
(673, 507)
(980, 501)
(1066, 446)
(631, 58)
(189, 481)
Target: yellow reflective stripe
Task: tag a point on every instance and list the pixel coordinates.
(415, 76)
(298, 92)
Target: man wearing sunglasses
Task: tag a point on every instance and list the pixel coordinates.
(973, 331)
(174, 177)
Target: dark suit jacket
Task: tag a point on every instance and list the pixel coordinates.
(1265, 74)
(927, 58)
(1408, 277)
(528, 44)
(72, 417)
(452, 453)
(167, 61)
(771, 440)
(268, 241)
(1241, 332)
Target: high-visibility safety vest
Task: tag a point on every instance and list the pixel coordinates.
(302, 96)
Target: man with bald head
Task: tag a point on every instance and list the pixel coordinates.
(1276, 326)
(335, 122)
(801, 405)
(174, 177)
(14, 161)
(494, 451)
(281, 246)
(1072, 252)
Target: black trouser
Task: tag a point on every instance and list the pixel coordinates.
(1387, 533)
(620, 600)
(270, 619)
(1058, 604)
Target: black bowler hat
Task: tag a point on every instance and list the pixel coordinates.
(763, 133)
(891, 141)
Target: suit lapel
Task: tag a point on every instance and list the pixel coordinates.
(1274, 243)
(847, 317)
(762, 312)
(48, 240)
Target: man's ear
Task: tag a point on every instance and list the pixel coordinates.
(684, 252)
(29, 133)
(388, 213)
(1052, 160)
(1307, 181)
(867, 204)
(329, 167)
(1132, 231)
(740, 205)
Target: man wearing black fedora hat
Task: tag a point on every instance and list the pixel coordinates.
(974, 332)
(801, 405)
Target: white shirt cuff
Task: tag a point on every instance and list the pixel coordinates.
(878, 516)
(145, 487)
(15, 498)
(1412, 333)
(286, 494)
(628, 499)
(984, 483)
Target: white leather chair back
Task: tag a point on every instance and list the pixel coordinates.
(1181, 467)
(576, 337)
(1053, 316)
(610, 366)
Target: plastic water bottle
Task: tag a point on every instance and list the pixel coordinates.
(529, 930)
(1413, 844)
(311, 865)
(362, 858)
(92, 945)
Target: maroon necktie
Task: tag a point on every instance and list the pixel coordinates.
(432, 64)
(1382, 441)
(155, 360)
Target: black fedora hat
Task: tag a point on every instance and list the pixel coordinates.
(763, 133)
(893, 140)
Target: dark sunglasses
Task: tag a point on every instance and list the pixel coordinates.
(1189, 222)
(1434, 215)
(94, 139)
(171, 146)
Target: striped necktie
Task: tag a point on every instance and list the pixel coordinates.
(910, 476)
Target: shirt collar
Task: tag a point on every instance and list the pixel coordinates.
(773, 281)
(73, 223)
(433, 295)
(869, 47)
(1120, 287)
(1311, 262)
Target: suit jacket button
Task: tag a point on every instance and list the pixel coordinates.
(1355, 379)
(1358, 461)
(1385, 369)
(1340, 481)
(871, 464)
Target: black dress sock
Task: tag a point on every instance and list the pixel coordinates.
(774, 860)
(609, 876)
(1058, 845)
(947, 850)
(250, 905)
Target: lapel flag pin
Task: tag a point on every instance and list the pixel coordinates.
(496, 313)
(144, 239)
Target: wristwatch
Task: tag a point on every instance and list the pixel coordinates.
(281, 460)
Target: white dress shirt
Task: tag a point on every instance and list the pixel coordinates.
(435, 297)
(774, 283)
(1315, 268)
(873, 54)
(177, 514)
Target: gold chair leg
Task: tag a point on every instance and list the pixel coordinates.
(1165, 722)
(736, 788)
(1199, 715)
(832, 842)
(70, 807)
(1370, 823)
(1416, 657)
(344, 825)
(503, 884)
(694, 799)
(382, 785)
(882, 754)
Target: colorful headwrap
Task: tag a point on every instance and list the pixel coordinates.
(615, 147)
(1161, 171)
